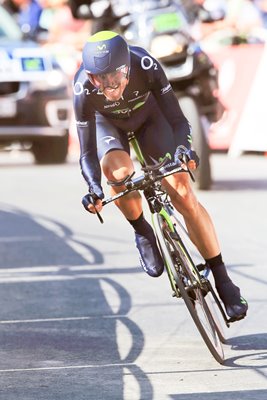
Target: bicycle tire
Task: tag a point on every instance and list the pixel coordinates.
(211, 303)
(211, 296)
(175, 255)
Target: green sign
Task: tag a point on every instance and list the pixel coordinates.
(32, 64)
(167, 22)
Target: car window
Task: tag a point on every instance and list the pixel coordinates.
(8, 27)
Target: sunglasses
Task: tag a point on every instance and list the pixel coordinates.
(111, 80)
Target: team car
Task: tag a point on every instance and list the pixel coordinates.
(35, 100)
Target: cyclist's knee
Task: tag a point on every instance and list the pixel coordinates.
(117, 174)
(116, 165)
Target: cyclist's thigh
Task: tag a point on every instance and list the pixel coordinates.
(109, 137)
(156, 138)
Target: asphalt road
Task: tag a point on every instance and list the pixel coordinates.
(80, 320)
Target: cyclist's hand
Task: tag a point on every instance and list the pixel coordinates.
(191, 159)
(92, 203)
(187, 157)
(192, 165)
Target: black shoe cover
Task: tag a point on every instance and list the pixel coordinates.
(150, 258)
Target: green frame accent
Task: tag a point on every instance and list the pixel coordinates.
(137, 150)
(167, 218)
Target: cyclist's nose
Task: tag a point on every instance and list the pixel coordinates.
(110, 81)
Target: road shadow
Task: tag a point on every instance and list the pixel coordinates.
(255, 358)
(249, 342)
(26, 243)
(256, 347)
(64, 332)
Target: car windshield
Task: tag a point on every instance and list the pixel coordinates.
(8, 27)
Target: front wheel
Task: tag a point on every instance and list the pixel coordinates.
(188, 286)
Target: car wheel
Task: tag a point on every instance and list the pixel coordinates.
(51, 150)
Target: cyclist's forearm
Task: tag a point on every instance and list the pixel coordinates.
(90, 169)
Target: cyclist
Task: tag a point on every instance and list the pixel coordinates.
(120, 88)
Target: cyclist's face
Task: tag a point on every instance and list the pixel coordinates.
(111, 84)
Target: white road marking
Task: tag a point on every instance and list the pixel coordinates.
(67, 367)
(27, 321)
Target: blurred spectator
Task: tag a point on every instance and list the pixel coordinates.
(262, 7)
(27, 14)
(240, 15)
(243, 16)
(62, 27)
(208, 16)
(65, 35)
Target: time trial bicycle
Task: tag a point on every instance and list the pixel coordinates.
(188, 280)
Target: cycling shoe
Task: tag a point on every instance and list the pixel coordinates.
(235, 305)
(149, 255)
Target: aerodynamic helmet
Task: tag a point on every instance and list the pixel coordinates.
(105, 52)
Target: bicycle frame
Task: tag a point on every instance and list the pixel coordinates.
(161, 207)
(165, 210)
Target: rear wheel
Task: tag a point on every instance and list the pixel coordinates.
(187, 281)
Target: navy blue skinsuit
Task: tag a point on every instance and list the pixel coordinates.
(149, 107)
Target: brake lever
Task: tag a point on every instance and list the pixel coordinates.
(99, 216)
(96, 212)
(191, 175)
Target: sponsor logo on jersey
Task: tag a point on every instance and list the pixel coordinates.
(167, 155)
(108, 139)
(79, 89)
(166, 89)
(122, 111)
(116, 104)
(139, 97)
